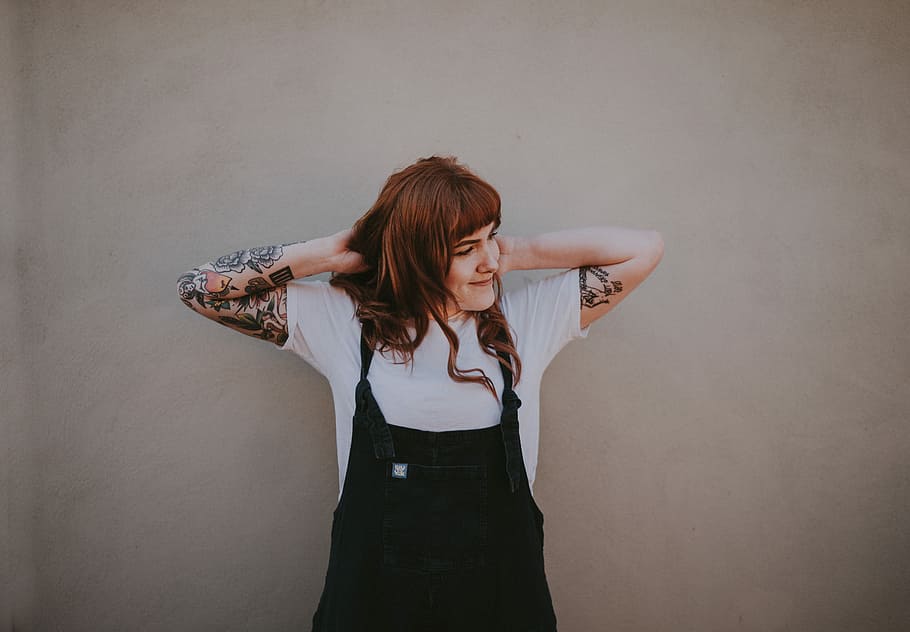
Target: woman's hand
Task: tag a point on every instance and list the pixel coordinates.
(507, 246)
(340, 258)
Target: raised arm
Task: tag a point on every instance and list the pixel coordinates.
(611, 260)
(246, 290)
(245, 272)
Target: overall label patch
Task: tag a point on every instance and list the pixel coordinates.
(399, 470)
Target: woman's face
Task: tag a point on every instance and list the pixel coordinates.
(474, 258)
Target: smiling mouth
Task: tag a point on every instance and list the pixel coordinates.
(487, 282)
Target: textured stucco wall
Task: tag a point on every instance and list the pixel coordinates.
(727, 450)
(17, 383)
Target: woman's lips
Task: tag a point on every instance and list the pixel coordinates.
(487, 282)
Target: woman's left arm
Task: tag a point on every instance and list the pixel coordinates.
(611, 260)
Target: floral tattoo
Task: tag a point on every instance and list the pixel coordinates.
(261, 312)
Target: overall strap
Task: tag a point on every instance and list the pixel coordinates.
(367, 411)
(366, 353)
(508, 421)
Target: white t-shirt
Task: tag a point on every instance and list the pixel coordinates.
(544, 316)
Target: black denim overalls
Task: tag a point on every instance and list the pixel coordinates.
(435, 531)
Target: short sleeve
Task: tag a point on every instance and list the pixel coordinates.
(320, 318)
(545, 315)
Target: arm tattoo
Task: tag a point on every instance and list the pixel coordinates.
(198, 283)
(257, 314)
(211, 278)
(263, 323)
(257, 258)
(594, 295)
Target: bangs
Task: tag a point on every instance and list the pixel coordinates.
(479, 206)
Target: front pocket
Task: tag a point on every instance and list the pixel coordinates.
(435, 517)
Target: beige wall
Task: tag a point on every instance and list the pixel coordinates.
(18, 386)
(728, 450)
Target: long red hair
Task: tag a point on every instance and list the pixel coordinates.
(406, 240)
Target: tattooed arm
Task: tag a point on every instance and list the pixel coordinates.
(246, 290)
(247, 271)
(612, 261)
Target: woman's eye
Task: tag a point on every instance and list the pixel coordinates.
(468, 251)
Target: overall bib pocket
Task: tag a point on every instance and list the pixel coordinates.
(435, 517)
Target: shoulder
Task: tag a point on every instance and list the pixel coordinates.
(543, 315)
(316, 293)
(538, 291)
(322, 326)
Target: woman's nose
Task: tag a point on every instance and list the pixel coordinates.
(491, 261)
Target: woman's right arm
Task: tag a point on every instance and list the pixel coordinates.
(246, 290)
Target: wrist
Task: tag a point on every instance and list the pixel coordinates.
(309, 257)
(520, 253)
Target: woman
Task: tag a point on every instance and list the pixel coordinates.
(435, 527)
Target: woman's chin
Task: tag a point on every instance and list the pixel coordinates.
(478, 306)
